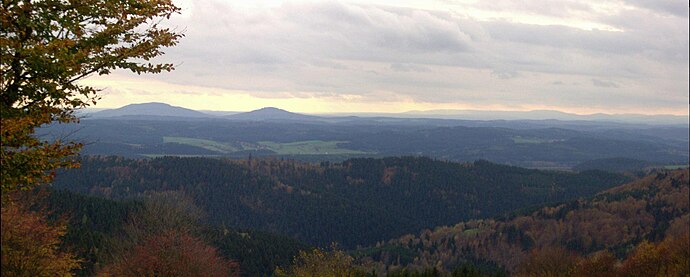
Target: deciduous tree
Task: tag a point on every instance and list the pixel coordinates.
(30, 244)
(46, 48)
(173, 254)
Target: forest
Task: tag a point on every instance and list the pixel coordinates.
(261, 217)
(356, 202)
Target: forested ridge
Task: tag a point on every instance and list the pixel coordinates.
(645, 223)
(357, 202)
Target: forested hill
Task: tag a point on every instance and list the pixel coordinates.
(613, 224)
(357, 202)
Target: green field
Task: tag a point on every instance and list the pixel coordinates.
(309, 147)
(178, 155)
(532, 140)
(675, 166)
(203, 143)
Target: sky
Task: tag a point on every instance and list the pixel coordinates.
(581, 57)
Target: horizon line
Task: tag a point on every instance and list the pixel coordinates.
(408, 112)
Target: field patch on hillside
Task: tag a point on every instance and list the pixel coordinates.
(309, 147)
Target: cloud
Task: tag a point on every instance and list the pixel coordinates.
(561, 8)
(672, 7)
(604, 84)
(505, 74)
(457, 53)
(376, 27)
(407, 67)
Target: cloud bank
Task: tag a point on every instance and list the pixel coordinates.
(612, 56)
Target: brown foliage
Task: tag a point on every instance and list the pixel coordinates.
(158, 241)
(615, 219)
(173, 254)
(671, 257)
(319, 262)
(549, 262)
(30, 244)
(601, 264)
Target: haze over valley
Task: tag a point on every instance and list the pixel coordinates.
(157, 129)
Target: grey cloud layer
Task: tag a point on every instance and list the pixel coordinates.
(377, 52)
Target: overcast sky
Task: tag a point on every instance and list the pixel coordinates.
(393, 56)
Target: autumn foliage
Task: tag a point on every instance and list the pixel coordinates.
(26, 161)
(600, 236)
(160, 240)
(319, 262)
(173, 254)
(671, 257)
(30, 244)
(549, 262)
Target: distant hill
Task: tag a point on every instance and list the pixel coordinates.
(272, 114)
(535, 117)
(149, 109)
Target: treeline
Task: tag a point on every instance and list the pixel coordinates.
(637, 229)
(356, 202)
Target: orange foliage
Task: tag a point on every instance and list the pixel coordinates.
(668, 258)
(601, 264)
(613, 220)
(30, 245)
(547, 262)
(173, 254)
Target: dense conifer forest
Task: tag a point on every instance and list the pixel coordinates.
(356, 202)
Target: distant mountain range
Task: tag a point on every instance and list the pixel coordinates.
(275, 114)
(548, 114)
